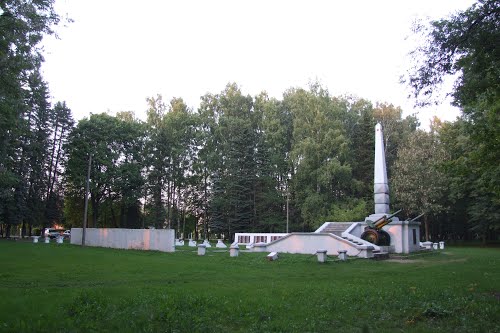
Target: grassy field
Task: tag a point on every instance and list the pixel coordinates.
(65, 288)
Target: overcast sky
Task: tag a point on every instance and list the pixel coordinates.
(118, 52)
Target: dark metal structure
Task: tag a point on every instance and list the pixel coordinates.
(373, 232)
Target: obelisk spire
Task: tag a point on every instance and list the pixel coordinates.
(380, 183)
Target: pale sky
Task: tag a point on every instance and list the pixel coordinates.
(118, 52)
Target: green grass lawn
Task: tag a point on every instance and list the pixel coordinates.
(65, 288)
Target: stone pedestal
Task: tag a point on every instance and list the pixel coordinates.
(441, 245)
(192, 243)
(35, 239)
(321, 254)
(202, 249)
(207, 243)
(342, 255)
(234, 251)
(47, 240)
(60, 240)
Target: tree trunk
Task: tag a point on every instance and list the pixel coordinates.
(426, 224)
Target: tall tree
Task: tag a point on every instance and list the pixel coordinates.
(22, 27)
(322, 175)
(418, 181)
(465, 45)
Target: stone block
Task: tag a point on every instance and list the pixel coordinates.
(381, 198)
(272, 256)
(380, 188)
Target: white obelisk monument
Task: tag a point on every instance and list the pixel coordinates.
(380, 182)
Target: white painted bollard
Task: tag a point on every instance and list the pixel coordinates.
(343, 255)
(272, 256)
(35, 239)
(60, 240)
(234, 250)
(192, 243)
(441, 245)
(434, 246)
(321, 255)
(47, 240)
(220, 244)
(201, 249)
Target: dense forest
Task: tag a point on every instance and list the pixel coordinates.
(242, 163)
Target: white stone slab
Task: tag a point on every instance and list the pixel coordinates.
(272, 256)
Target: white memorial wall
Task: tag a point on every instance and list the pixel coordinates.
(137, 239)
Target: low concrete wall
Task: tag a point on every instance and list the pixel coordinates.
(309, 243)
(138, 239)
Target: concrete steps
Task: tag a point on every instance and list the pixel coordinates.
(336, 228)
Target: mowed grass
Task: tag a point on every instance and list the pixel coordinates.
(65, 288)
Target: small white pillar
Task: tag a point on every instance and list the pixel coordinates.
(47, 240)
(441, 245)
(60, 240)
(192, 243)
(234, 250)
(343, 255)
(207, 243)
(434, 246)
(35, 239)
(321, 254)
(201, 249)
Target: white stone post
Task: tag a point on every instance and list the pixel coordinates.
(35, 239)
(47, 240)
(321, 254)
(234, 250)
(60, 239)
(441, 245)
(201, 249)
(434, 246)
(343, 255)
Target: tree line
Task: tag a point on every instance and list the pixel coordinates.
(238, 163)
